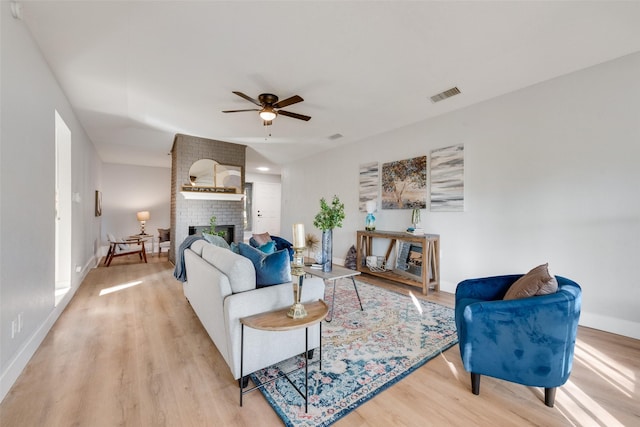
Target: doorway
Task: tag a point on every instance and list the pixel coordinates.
(62, 208)
(266, 208)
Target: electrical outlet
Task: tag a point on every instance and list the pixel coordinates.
(78, 269)
(13, 328)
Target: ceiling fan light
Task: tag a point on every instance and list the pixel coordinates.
(267, 114)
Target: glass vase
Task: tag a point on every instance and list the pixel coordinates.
(327, 241)
(370, 222)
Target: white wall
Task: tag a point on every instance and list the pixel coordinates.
(262, 177)
(29, 96)
(551, 175)
(129, 189)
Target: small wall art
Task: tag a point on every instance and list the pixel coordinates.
(98, 210)
(369, 182)
(447, 179)
(404, 184)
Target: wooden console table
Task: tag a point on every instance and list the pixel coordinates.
(430, 270)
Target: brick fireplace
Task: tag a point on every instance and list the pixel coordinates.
(187, 212)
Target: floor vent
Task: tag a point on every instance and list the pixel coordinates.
(446, 94)
(335, 136)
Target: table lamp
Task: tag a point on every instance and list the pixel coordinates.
(143, 217)
(370, 221)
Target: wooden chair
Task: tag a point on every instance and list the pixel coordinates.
(164, 240)
(124, 247)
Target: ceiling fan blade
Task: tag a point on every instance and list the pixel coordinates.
(248, 98)
(289, 101)
(239, 111)
(294, 115)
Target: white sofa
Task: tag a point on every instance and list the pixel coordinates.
(221, 288)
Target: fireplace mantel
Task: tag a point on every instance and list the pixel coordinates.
(191, 195)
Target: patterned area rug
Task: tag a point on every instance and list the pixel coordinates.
(363, 353)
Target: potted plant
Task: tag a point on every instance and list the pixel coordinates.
(329, 217)
(212, 230)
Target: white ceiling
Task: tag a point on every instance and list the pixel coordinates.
(138, 72)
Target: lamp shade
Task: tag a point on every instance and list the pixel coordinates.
(371, 206)
(298, 236)
(267, 114)
(143, 216)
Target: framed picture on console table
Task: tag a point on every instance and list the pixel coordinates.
(410, 260)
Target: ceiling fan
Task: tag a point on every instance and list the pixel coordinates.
(271, 107)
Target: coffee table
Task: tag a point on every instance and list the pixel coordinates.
(278, 320)
(337, 272)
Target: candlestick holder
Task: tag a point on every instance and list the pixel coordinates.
(297, 310)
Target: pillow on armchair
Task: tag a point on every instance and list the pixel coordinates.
(538, 281)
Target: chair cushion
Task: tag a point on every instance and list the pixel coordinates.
(538, 281)
(271, 269)
(120, 246)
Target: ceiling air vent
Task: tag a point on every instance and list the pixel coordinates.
(446, 94)
(335, 136)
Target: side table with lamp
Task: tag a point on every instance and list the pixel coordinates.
(295, 317)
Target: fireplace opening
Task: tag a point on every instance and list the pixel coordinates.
(229, 231)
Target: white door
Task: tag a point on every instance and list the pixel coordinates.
(266, 208)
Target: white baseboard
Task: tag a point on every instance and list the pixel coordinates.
(28, 349)
(610, 324)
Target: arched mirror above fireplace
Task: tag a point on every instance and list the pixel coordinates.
(202, 173)
(210, 180)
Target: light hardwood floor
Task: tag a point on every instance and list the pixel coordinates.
(129, 351)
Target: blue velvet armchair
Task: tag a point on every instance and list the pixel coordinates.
(528, 341)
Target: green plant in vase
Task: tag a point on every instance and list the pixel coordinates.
(329, 217)
(212, 227)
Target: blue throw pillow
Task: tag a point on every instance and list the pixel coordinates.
(271, 269)
(268, 248)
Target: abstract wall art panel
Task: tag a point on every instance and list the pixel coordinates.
(447, 179)
(369, 182)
